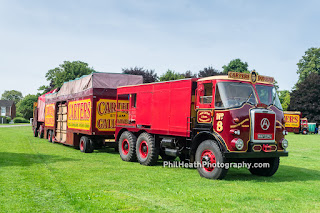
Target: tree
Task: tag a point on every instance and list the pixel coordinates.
(236, 65)
(284, 97)
(25, 106)
(149, 76)
(171, 75)
(189, 74)
(208, 71)
(305, 98)
(310, 63)
(65, 72)
(12, 95)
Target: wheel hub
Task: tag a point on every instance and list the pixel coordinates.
(207, 160)
(143, 149)
(125, 146)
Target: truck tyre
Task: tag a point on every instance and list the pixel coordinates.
(274, 165)
(85, 145)
(147, 150)
(208, 154)
(40, 134)
(35, 132)
(50, 136)
(127, 146)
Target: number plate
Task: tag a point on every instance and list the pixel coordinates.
(264, 136)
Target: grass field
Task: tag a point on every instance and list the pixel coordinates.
(6, 124)
(37, 176)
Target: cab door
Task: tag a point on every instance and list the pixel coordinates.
(205, 102)
(132, 107)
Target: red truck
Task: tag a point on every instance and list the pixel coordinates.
(83, 112)
(219, 119)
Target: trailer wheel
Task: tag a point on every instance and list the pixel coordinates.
(85, 145)
(50, 136)
(40, 134)
(35, 132)
(147, 150)
(271, 170)
(127, 146)
(208, 154)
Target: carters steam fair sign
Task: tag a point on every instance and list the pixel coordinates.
(79, 114)
(106, 114)
(292, 120)
(49, 115)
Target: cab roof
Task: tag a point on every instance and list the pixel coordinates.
(247, 77)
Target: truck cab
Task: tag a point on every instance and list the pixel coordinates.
(304, 126)
(243, 114)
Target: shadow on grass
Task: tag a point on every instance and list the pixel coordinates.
(284, 174)
(109, 150)
(25, 159)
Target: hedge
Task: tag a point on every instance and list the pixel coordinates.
(20, 120)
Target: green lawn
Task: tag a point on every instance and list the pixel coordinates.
(37, 176)
(6, 124)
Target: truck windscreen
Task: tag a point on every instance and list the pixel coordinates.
(268, 95)
(234, 94)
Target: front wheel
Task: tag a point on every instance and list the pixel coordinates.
(304, 131)
(271, 166)
(211, 160)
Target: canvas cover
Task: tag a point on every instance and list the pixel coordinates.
(41, 105)
(95, 80)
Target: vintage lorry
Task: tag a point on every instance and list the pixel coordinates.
(294, 122)
(219, 119)
(83, 112)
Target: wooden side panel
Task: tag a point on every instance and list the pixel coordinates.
(61, 131)
(73, 139)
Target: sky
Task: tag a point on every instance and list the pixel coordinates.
(36, 36)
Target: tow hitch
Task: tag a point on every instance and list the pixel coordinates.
(267, 148)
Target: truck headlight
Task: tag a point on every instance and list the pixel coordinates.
(237, 143)
(284, 143)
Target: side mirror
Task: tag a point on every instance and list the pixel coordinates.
(200, 88)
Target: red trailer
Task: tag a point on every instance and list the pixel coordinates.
(83, 112)
(211, 120)
(38, 115)
(294, 122)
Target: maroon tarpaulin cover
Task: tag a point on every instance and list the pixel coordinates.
(77, 87)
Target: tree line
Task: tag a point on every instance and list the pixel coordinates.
(303, 96)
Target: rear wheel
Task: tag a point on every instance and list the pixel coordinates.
(208, 154)
(50, 136)
(147, 150)
(304, 131)
(40, 134)
(35, 132)
(127, 146)
(271, 170)
(85, 145)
